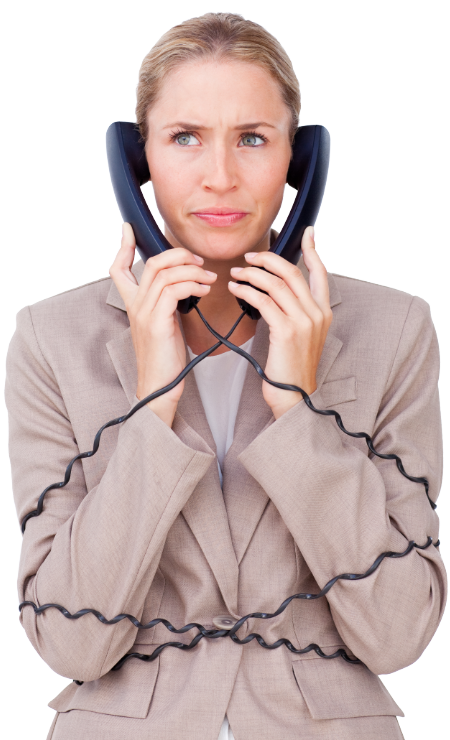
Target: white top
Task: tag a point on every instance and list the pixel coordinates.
(220, 380)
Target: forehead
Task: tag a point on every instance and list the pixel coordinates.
(225, 91)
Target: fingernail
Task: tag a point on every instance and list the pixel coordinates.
(204, 285)
(230, 282)
(198, 259)
(213, 274)
(311, 231)
(250, 255)
(235, 270)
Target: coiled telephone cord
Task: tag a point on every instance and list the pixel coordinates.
(203, 631)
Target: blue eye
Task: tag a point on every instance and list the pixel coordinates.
(251, 140)
(186, 139)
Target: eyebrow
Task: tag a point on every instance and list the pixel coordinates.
(195, 127)
(245, 126)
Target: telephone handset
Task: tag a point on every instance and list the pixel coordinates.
(129, 170)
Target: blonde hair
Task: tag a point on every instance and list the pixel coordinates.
(216, 36)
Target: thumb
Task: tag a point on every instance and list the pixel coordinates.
(128, 238)
(120, 270)
(309, 247)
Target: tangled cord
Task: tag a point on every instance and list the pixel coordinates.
(202, 631)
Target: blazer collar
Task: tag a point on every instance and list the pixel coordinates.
(236, 511)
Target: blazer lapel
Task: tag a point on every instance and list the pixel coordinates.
(245, 500)
(121, 348)
(205, 511)
(121, 351)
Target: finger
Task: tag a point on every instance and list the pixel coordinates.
(168, 302)
(125, 256)
(172, 275)
(291, 274)
(120, 270)
(267, 307)
(168, 258)
(275, 286)
(318, 278)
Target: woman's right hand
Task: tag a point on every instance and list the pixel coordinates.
(151, 307)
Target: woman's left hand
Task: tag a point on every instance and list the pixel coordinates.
(298, 316)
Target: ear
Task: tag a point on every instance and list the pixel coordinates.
(293, 173)
(143, 172)
(289, 175)
(135, 148)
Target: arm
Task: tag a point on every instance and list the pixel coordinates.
(344, 507)
(98, 549)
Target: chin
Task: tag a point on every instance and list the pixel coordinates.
(219, 245)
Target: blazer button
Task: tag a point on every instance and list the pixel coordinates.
(224, 622)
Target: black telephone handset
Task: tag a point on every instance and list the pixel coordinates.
(129, 170)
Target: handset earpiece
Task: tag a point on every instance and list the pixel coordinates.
(307, 173)
(129, 170)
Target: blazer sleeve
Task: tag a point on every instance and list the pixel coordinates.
(89, 549)
(344, 507)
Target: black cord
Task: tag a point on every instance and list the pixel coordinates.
(323, 412)
(182, 375)
(202, 631)
(82, 455)
(340, 653)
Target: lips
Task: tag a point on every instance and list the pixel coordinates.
(220, 216)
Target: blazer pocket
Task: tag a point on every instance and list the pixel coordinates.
(338, 391)
(334, 689)
(124, 693)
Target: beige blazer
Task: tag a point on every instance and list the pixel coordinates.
(144, 527)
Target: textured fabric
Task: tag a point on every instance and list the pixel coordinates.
(220, 380)
(144, 527)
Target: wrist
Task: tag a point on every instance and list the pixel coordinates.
(281, 408)
(165, 408)
(166, 412)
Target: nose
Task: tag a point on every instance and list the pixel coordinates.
(220, 175)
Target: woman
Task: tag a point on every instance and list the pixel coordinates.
(225, 495)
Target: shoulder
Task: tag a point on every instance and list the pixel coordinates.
(73, 319)
(375, 294)
(373, 305)
(82, 298)
(386, 340)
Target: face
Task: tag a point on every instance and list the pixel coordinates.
(218, 150)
